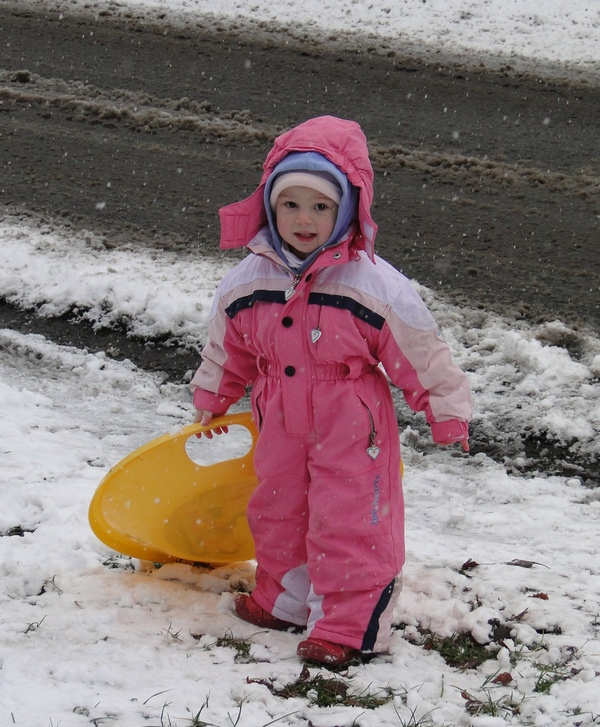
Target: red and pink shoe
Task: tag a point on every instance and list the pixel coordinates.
(326, 653)
(248, 610)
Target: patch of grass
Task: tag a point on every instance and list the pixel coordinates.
(240, 646)
(460, 650)
(518, 653)
(324, 691)
(195, 719)
(412, 720)
(548, 676)
(502, 706)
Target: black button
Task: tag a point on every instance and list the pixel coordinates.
(289, 370)
(287, 321)
(309, 277)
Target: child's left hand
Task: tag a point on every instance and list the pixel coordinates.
(204, 417)
(451, 432)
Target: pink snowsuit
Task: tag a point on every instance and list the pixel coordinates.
(327, 516)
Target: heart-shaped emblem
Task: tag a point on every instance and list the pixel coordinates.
(373, 451)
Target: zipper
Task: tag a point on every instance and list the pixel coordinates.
(291, 290)
(372, 450)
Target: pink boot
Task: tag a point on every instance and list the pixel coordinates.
(326, 653)
(248, 610)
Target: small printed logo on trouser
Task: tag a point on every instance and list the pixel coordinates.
(375, 507)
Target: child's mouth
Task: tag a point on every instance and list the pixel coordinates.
(305, 236)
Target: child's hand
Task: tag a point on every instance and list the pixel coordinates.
(204, 417)
(452, 431)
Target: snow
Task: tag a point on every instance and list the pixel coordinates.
(555, 32)
(105, 290)
(93, 637)
(100, 637)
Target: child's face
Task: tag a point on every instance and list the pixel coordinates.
(305, 219)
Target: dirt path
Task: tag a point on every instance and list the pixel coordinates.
(487, 183)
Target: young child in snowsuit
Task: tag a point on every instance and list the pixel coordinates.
(306, 319)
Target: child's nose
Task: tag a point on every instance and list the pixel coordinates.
(303, 215)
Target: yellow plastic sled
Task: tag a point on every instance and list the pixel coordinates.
(159, 505)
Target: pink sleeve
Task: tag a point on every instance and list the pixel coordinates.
(227, 367)
(420, 364)
(212, 402)
(453, 430)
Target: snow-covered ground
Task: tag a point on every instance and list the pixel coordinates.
(89, 637)
(521, 33)
(84, 641)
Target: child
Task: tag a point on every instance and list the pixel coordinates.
(306, 319)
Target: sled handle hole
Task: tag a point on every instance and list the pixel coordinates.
(236, 443)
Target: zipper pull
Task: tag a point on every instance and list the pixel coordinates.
(290, 291)
(372, 450)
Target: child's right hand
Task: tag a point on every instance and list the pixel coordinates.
(203, 416)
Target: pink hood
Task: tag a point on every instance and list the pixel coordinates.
(339, 140)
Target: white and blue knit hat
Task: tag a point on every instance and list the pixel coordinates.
(319, 181)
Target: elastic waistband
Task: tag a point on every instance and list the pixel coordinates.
(318, 372)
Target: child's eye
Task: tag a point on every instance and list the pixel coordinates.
(322, 206)
(289, 204)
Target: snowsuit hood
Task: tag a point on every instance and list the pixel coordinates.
(340, 142)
